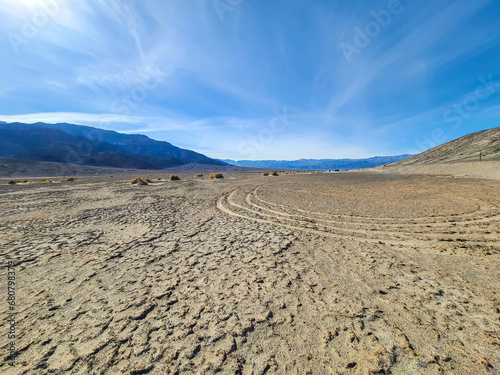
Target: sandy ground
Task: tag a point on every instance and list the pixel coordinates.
(347, 273)
(482, 170)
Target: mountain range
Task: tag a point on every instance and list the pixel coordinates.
(84, 145)
(318, 164)
(88, 146)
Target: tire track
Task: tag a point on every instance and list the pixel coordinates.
(490, 211)
(414, 235)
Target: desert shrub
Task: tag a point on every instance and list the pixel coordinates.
(139, 181)
(173, 177)
(216, 175)
(150, 181)
(71, 179)
(274, 173)
(44, 180)
(265, 174)
(18, 181)
(198, 175)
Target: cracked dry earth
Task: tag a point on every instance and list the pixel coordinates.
(350, 273)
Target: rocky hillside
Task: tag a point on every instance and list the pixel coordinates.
(84, 145)
(464, 149)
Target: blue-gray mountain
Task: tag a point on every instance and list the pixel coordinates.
(84, 145)
(319, 164)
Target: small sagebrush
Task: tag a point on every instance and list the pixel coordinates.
(274, 173)
(216, 175)
(265, 174)
(44, 181)
(198, 175)
(70, 179)
(173, 177)
(15, 181)
(139, 181)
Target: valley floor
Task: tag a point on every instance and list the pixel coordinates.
(347, 273)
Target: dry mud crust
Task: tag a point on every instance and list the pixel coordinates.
(352, 273)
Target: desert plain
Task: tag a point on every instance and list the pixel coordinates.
(333, 273)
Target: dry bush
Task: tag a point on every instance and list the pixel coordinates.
(216, 175)
(198, 175)
(15, 181)
(44, 180)
(265, 174)
(273, 173)
(173, 177)
(71, 179)
(139, 181)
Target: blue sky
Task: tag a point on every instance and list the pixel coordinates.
(256, 79)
